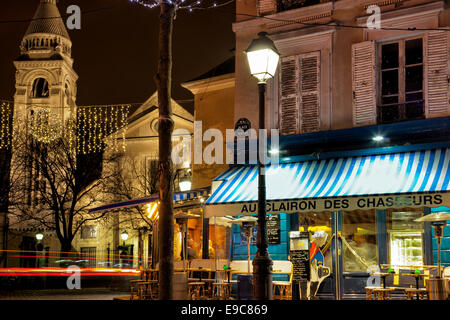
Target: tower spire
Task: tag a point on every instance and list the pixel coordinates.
(47, 34)
(47, 19)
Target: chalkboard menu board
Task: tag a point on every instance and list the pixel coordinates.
(299, 252)
(273, 229)
(300, 264)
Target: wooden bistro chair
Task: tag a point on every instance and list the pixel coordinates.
(284, 288)
(148, 290)
(197, 290)
(147, 287)
(199, 272)
(221, 288)
(134, 286)
(412, 292)
(383, 293)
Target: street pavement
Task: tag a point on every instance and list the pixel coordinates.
(62, 294)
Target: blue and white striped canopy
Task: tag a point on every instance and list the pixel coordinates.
(398, 173)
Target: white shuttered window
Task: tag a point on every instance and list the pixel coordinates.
(437, 73)
(364, 85)
(407, 91)
(300, 94)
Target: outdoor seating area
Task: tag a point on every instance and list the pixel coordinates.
(410, 282)
(206, 280)
(209, 279)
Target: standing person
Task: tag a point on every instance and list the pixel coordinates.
(191, 254)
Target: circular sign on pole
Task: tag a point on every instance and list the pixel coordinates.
(243, 124)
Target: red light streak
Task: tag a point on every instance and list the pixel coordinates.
(63, 272)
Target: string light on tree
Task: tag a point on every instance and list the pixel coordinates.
(5, 125)
(45, 126)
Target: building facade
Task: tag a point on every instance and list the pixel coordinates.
(46, 86)
(362, 111)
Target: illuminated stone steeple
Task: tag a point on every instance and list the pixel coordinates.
(44, 69)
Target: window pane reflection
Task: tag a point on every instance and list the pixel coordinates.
(405, 238)
(359, 241)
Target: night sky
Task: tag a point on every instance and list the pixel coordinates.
(116, 50)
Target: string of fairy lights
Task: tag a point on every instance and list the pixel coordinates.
(5, 125)
(100, 124)
(90, 131)
(189, 5)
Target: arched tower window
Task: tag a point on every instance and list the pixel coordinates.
(40, 88)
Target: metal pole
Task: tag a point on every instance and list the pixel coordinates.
(439, 253)
(262, 264)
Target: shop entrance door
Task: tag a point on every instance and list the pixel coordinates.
(324, 230)
(356, 251)
(347, 241)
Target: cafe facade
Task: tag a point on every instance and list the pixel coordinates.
(363, 202)
(363, 121)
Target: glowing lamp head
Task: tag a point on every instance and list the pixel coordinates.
(39, 236)
(124, 236)
(274, 151)
(185, 184)
(378, 138)
(262, 58)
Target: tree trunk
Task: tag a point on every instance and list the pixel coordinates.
(163, 83)
(66, 247)
(5, 169)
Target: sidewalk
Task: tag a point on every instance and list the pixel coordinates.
(61, 294)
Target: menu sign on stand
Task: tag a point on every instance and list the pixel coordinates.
(273, 229)
(299, 252)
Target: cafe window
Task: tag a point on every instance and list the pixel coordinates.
(359, 240)
(405, 238)
(219, 241)
(401, 81)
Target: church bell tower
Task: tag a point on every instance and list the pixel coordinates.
(45, 79)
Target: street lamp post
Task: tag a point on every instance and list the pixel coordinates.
(263, 59)
(123, 248)
(39, 236)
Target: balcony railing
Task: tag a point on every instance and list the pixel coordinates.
(411, 110)
(283, 5)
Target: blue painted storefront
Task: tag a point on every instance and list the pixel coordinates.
(351, 283)
(403, 137)
(277, 251)
(445, 242)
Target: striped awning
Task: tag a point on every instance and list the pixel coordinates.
(411, 179)
(178, 196)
